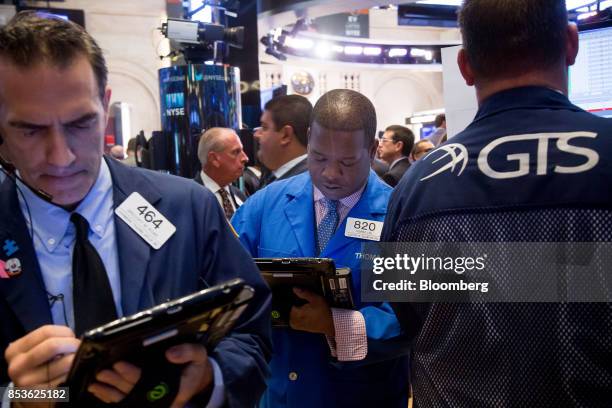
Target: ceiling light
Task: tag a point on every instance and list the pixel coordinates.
(322, 50)
(299, 43)
(397, 52)
(353, 50)
(422, 119)
(584, 16)
(418, 52)
(372, 51)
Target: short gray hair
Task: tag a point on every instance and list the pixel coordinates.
(211, 141)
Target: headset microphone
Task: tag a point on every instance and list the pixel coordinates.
(8, 169)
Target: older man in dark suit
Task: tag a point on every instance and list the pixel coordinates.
(223, 159)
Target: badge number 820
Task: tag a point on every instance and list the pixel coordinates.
(364, 225)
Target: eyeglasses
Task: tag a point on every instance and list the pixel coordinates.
(383, 140)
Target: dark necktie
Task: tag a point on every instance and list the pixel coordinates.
(327, 226)
(228, 209)
(91, 290)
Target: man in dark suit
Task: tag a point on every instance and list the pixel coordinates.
(283, 137)
(223, 160)
(75, 263)
(394, 148)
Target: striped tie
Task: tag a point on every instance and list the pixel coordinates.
(328, 224)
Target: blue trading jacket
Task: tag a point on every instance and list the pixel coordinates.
(279, 221)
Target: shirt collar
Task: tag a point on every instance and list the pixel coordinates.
(278, 173)
(524, 97)
(396, 161)
(348, 201)
(50, 222)
(209, 183)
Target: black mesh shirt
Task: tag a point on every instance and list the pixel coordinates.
(511, 354)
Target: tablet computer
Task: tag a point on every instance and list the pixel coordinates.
(318, 275)
(141, 339)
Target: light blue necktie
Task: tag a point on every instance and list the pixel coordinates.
(328, 224)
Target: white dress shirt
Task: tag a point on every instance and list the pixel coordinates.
(214, 188)
(280, 172)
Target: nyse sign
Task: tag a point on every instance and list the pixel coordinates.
(175, 112)
(175, 104)
(523, 160)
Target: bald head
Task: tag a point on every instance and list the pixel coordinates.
(347, 111)
(117, 152)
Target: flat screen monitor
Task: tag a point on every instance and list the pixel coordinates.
(591, 76)
(427, 130)
(267, 95)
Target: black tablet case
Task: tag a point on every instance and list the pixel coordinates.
(142, 339)
(318, 275)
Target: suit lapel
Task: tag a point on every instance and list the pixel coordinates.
(24, 293)
(134, 252)
(300, 215)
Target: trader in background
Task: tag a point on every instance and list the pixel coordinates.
(394, 148)
(533, 168)
(116, 152)
(223, 160)
(283, 137)
(439, 135)
(75, 264)
(420, 149)
(330, 357)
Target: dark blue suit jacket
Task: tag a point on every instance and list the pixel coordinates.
(202, 252)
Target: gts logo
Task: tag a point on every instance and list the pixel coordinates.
(519, 163)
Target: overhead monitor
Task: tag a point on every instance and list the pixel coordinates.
(591, 77)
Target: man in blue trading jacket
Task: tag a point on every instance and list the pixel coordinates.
(315, 363)
(72, 262)
(531, 167)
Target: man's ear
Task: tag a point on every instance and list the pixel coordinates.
(106, 103)
(571, 47)
(400, 146)
(287, 135)
(373, 150)
(213, 159)
(465, 68)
